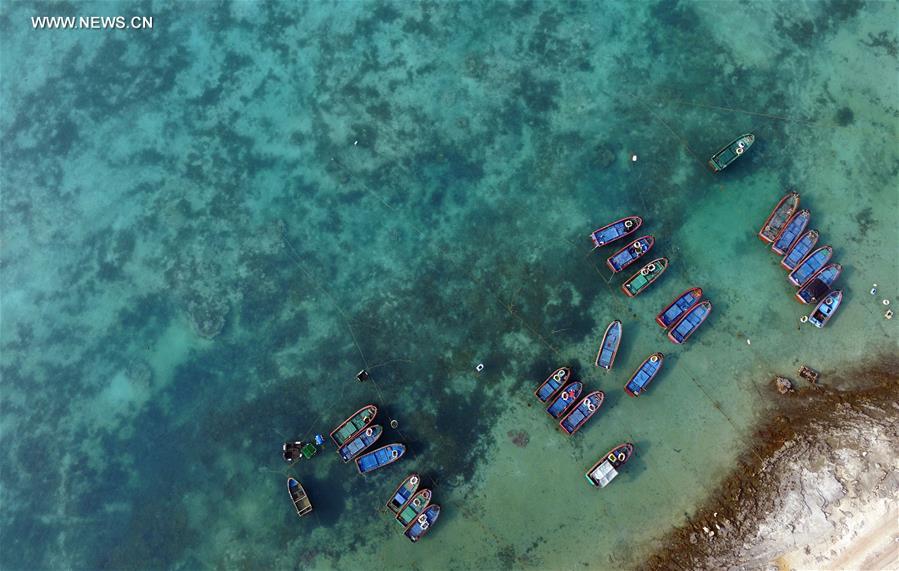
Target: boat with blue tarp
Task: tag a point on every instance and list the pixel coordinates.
(681, 304)
(819, 284)
(608, 348)
(423, 523)
(584, 411)
(414, 506)
(800, 250)
(371, 461)
(825, 309)
(553, 383)
(403, 492)
(645, 277)
(791, 232)
(630, 253)
(644, 375)
(779, 216)
(607, 468)
(811, 264)
(356, 422)
(360, 442)
(616, 230)
(566, 398)
(690, 322)
(731, 152)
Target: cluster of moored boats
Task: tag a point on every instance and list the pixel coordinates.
(353, 437)
(629, 254)
(810, 270)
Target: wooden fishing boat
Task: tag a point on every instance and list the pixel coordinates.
(356, 422)
(630, 253)
(606, 469)
(608, 348)
(779, 216)
(791, 232)
(584, 411)
(299, 498)
(404, 491)
(819, 284)
(360, 442)
(825, 309)
(566, 398)
(616, 230)
(553, 383)
(648, 274)
(731, 152)
(690, 322)
(681, 304)
(811, 264)
(423, 523)
(644, 375)
(800, 250)
(371, 461)
(413, 507)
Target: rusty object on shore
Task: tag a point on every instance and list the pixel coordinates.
(784, 385)
(809, 374)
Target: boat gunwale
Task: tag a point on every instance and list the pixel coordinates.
(562, 412)
(695, 327)
(602, 399)
(549, 378)
(363, 449)
(713, 163)
(663, 261)
(628, 446)
(816, 236)
(836, 265)
(602, 344)
(305, 495)
(790, 277)
(838, 293)
(347, 421)
(424, 531)
(651, 378)
(379, 466)
(808, 219)
(696, 301)
(607, 226)
(410, 500)
(774, 211)
(650, 239)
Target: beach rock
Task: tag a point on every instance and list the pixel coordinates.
(519, 438)
(784, 385)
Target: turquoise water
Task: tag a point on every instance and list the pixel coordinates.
(210, 226)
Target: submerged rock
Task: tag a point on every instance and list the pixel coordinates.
(519, 438)
(207, 316)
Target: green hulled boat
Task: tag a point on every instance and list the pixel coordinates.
(645, 277)
(722, 159)
(349, 427)
(413, 507)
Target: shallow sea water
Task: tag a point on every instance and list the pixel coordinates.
(209, 227)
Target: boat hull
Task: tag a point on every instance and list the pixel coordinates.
(819, 284)
(553, 383)
(731, 152)
(645, 277)
(423, 523)
(298, 496)
(616, 458)
(630, 253)
(779, 216)
(403, 492)
(566, 398)
(676, 309)
(608, 347)
(825, 309)
(413, 507)
(791, 232)
(376, 459)
(580, 414)
(689, 322)
(811, 264)
(616, 231)
(644, 375)
(800, 250)
(360, 443)
(356, 422)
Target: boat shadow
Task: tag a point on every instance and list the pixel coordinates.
(636, 466)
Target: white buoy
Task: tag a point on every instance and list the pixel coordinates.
(633, 158)
(748, 342)
(355, 143)
(874, 290)
(480, 367)
(886, 302)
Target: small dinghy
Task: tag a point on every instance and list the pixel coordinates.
(606, 469)
(413, 507)
(630, 253)
(811, 264)
(690, 322)
(360, 442)
(403, 492)
(800, 250)
(608, 348)
(356, 422)
(826, 308)
(644, 375)
(819, 284)
(584, 411)
(779, 216)
(616, 230)
(648, 274)
(566, 398)
(681, 304)
(299, 498)
(791, 232)
(553, 383)
(731, 152)
(371, 461)
(423, 523)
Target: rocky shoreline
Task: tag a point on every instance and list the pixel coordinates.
(817, 488)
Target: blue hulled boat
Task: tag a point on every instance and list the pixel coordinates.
(826, 309)
(819, 284)
(371, 461)
(362, 440)
(644, 374)
(800, 250)
(403, 492)
(584, 411)
(811, 264)
(683, 303)
(791, 232)
(552, 384)
(566, 398)
(690, 322)
(616, 230)
(630, 253)
(420, 525)
(611, 339)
